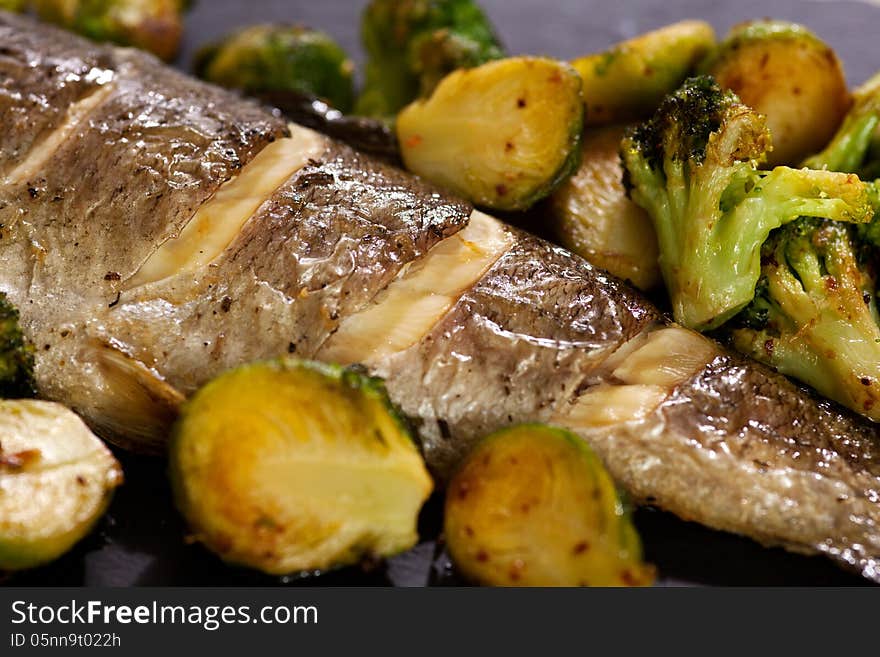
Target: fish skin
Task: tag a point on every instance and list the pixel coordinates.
(324, 244)
(51, 79)
(522, 341)
(740, 448)
(733, 445)
(822, 461)
(129, 180)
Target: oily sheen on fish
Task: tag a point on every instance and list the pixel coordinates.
(157, 230)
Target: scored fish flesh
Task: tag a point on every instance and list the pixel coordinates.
(157, 230)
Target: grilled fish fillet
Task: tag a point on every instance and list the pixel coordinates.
(157, 230)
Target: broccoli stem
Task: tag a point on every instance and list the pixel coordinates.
(848, 149)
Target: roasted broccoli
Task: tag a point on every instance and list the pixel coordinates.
(814, 316)
(693, 167)
(870, 233)
(16, 355)
(855, 148)
(278, 58)
(412, 44)
(154, 25)
(850, 148)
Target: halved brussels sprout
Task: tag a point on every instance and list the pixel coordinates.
(630, 79)
(56, 481)
(591, 215)
(503, 134)
(533, 506)
(787, 73)
(290, 466)
(154, 25)
(274, 58)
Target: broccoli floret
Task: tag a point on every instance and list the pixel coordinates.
(412, 44)
(814, 316)
(851, 145)
(16, 355)
(870, 233)
(693, 168)
(855, 148)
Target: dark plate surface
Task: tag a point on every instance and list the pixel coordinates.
(141, 540)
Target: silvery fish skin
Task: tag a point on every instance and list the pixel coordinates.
(537, 335)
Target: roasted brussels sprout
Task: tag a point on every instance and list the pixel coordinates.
(412, 44)
(12, 5)
(292, 466)
(276, 58)
(16, 355)
(533, 506)
(503, 134)
(56, 480)
(154, 25)
(787, 73)
(591, 215)
(630, 79)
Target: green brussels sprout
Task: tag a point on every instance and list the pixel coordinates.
(590, 214)
(412, 44)
(277, 58)
(153, 25)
